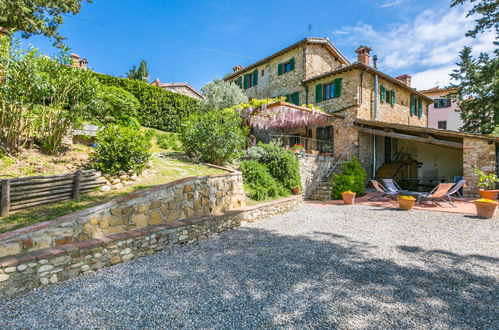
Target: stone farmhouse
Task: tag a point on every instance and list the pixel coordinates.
(380, 119)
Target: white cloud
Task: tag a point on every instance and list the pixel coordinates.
(425, 47)
(390, 3)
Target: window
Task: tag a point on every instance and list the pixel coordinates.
(328, 91)
(442, 103)
(386, 95)
(263, 73)
(286, 67)
(442, 124)
(251, 79)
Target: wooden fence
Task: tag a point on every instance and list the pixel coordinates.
(22, 193)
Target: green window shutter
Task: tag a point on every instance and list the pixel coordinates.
(288, 98)
(292, 63)
(318, 93)
(279, 69)
(337, 87)
(255, 77)
(245, 81)
(413, 105)
(420, 108)
(382, 93)
(392, 97)
(295, 98)
(240, 82)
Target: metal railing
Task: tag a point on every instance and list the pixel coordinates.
(321, 144)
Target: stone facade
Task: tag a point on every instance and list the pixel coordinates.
(163, 204)
(477, 153)
(312, 170)
(38, 268)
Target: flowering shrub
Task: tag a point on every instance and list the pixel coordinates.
(407, 198)
(486, 181)
(485, 200)
(298, 147)
(348, 192)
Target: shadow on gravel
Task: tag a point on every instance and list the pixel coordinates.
(256, 278)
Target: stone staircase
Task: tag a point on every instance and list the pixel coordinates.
(323, 191)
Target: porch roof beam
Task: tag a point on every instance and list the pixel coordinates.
(450, 144)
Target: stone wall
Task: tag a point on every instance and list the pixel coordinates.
(312, 171)
(181, 199)
(477, 153)
(33, 269)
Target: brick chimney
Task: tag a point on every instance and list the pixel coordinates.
(156, 82)
(363, 54)
(75, 60)
(405, 78)
(237, 68)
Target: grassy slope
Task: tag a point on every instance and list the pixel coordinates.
(166, 169)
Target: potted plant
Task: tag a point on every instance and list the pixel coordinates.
(348, 197)
(296, 190)
(406, 202)
(298, 148)
(488, 184)
(485, 208)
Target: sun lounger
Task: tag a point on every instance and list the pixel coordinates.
(384, 192)
(439, 194)
(391, 185)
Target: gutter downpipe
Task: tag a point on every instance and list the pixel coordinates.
(375, 113)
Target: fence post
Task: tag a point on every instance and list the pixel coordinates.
(5, 197)
(76, 185)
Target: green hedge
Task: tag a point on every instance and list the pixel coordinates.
(159, 108)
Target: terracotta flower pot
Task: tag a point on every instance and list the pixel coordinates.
(485, 210)
(296, 191)
(488, 194)
(348, 198)
(406, 204)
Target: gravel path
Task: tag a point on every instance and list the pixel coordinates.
(336, 266)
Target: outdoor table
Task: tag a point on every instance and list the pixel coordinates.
(416, 194)
(417, 181)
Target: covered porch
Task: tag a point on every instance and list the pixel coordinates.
(420, 158)
(294, 125)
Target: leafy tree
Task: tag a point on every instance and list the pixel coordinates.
(488, 12)
(214, 136)
(34, 17)
(478, 79)
(139, 74)
(221, 95)
(478, 91)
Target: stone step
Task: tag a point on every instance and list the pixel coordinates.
(320, 197)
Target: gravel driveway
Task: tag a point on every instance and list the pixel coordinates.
(335, 266)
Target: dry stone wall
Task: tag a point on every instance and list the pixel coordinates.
(312, 170)
(38, 268)
(163, 204)
(477, 153)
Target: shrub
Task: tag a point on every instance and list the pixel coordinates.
(215, 136)
(116, 105)
(259, 183)
(169, 141)
(159, 108)
(121, 149)
(353, 179)
(282, 164)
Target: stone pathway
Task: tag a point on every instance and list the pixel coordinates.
(327, 267)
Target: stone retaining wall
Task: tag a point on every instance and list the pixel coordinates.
(181, 199)
(312, 171)
(23, 272)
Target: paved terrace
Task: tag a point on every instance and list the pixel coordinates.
(334, 266)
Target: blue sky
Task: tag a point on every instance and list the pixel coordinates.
(190, 41)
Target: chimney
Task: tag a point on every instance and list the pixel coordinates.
(83, 64)
(237, 68)
(405, 78)
(75, 60)
(363, 54)
(156, 82)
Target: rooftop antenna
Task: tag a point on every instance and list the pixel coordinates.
(309, 27)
